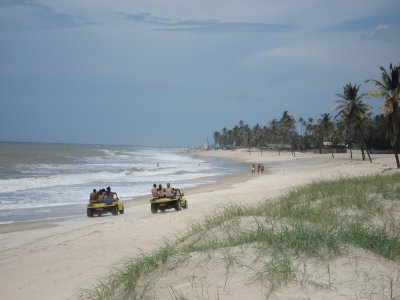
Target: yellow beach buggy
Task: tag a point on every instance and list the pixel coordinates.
(177, 202)
(112, 205)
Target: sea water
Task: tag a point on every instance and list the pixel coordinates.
(40, 181)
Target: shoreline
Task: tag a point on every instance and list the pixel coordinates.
(67, 211)
(222, 181)
(219, 182)
(81, 250)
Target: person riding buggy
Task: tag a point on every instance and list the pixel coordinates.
(165, 198)
(104, 201)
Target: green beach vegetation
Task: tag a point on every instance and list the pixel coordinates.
(299, 241)
(353, 126)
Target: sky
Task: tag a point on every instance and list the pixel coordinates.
(171, 73)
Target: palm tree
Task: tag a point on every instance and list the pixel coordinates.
(377, 133)
(236, 136)
(258, 136)
(301, 122)
(217, 138)
(389, 90)
(224, 138)
(274, 133)
(247, 136)
(287, 129)
(230, 138)
(309, 129)
(352, 113)
(325, 128)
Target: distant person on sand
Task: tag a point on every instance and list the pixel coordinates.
(253, 169)
(154, 191)
(262, 168)
(258, 168)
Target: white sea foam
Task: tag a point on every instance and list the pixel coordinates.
(130, 171)
(7, 222)
(21, 184)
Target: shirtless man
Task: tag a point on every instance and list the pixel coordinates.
(109, 196)
(161, 191)
(100, 195)
(154, 191)
(169, 191)
(93, 196)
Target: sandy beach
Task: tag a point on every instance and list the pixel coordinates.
(54, 259)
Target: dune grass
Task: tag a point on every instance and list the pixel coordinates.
(318, 221)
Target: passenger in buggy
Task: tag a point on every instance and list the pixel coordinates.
(154, 191)
(93, 196)
(109, 196)
(161, 191)
(169, 191)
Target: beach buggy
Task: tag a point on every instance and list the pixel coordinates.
(106, 205)
(177, 202)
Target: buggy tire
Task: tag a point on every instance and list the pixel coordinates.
(122, 210)
(114, 210)
(89, 212)
(178, 205)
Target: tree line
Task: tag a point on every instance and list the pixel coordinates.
(351, 126)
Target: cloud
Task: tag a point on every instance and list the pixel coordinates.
(382, 26)
(382, 33)
(15, 2)
(325, 53)
(209, 25)
(39, 16)
(145, 17)
(289, 53)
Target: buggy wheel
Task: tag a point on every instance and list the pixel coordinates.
(178, 205)
(186, 205)
(114, 210)
(89, 212)
(122, 210)
(153, 208)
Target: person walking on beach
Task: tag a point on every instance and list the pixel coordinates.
(253, 169)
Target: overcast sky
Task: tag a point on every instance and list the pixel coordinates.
(160, 72)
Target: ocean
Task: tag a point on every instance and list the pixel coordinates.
(44, 181)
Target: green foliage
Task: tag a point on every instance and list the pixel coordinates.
(354, 124)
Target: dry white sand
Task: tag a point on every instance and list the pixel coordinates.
(53, 259)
